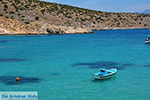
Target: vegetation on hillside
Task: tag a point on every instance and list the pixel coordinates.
(28, 11)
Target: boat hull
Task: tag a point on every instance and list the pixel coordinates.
(103, 77)
(97, 76)
(147, 42)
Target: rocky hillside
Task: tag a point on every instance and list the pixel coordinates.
(38, 17)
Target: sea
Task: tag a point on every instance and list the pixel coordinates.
(61, 67)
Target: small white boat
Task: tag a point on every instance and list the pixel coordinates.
(105, 73)
(147, 40)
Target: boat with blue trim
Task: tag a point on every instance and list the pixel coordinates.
(105, 73)
(147, 40)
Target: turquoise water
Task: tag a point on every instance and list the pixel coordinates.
(60, 67)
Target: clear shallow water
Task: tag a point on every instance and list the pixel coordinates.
(61, 66)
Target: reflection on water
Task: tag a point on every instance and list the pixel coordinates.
(104, 64)
(12, 60)
(148, 65)
(4, 41)
(104, 80)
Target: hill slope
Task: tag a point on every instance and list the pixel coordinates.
(147, 11)
(38, 17)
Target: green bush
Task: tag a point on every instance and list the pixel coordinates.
(1, 14)
(6, 17)
(145, 24)
(42, 11)
(5, 6)
(36, 18)
(27, 22)
(11, 12)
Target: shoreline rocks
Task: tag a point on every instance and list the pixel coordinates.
(68, 32)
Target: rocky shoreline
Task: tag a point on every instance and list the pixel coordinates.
(47, 31)
(2, 33)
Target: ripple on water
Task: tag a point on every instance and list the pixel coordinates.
(4, 41)
(148, 65)
(55, 74)
(104, 64)
(12, 60)
(11, 80)
(127, 64)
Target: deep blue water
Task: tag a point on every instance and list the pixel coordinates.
(60, 67)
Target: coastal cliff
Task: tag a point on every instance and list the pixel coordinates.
(39, 17)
